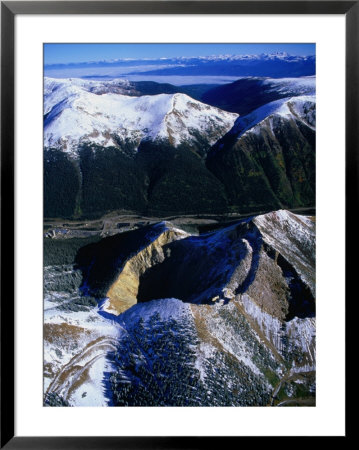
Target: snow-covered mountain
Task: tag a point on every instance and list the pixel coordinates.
(268, 158)
(220, 319)
(249, 93)
(165, 61)
(108, 147)
(301, 108)
(290, 86)
(56, 90)
(275, 65)
(79, 111)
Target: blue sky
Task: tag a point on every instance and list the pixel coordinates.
(75, 53)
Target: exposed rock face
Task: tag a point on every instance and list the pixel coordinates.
(269, 258)
(225, 318)
(124, 291)
(293, 237)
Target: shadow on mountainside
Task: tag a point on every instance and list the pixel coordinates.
(195, 269)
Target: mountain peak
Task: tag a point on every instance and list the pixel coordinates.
(77, 112)
(300, 108)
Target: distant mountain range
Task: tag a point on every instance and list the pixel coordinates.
(113, 145)
(269, 65)
(247, 94)
(276, 65)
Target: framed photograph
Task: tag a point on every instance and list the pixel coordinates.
(174, 187)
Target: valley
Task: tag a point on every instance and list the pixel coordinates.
(167, 154)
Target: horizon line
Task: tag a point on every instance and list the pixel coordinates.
(109, 61)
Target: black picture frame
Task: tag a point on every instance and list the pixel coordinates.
(8, 12)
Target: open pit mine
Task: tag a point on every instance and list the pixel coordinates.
(161, 316)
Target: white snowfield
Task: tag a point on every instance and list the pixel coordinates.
(75, 113)
(291, 86)
(56, 89)
(300, 108)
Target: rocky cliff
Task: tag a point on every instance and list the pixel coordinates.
(223, 318)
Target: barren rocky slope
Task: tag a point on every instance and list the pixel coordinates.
(223, 318)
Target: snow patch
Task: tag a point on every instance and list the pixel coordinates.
(300, 108)
(168, 308)
(300, 332)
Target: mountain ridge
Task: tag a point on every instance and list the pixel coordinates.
(248, 341)
(249, 93)
(274, 65)
(269, 160)
(169, 153)
(78, 115)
